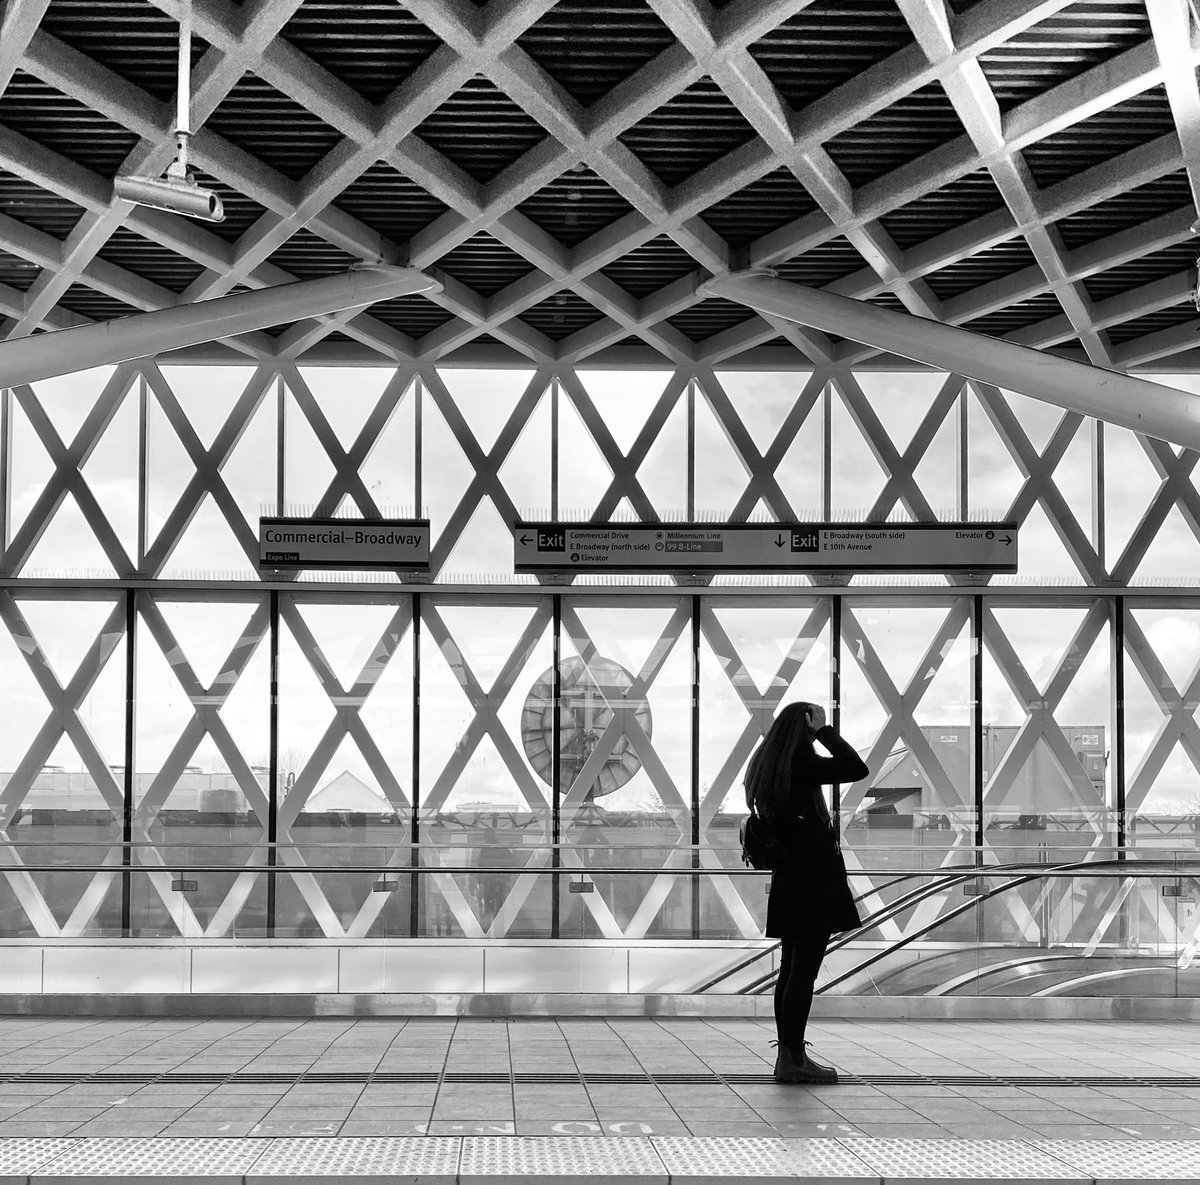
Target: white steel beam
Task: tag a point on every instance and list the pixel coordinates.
(1133, 403)
(25, 360)
(1171, 23)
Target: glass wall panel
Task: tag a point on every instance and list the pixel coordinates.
(362, 753)
(485, 798)
(202, 750)
(625, 763)
(486, 449)
(628, 415)
(782, 418)
(210, 462)
(906, 706)
(1162, 735)
(856, 477)
(62, 779)
(756, 655)
(59, 522)
(1048, 791)
(345, 766)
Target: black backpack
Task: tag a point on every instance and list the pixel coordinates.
(760, 845)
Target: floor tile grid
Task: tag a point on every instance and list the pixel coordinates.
(677, 1045)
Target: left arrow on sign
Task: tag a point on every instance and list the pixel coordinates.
(525, 540)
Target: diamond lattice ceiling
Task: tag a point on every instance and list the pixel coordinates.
(1025, 168)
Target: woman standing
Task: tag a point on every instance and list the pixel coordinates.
(810, 898)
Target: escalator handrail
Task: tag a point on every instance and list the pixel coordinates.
(927, 890)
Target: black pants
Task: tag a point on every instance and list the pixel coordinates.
(799, 962)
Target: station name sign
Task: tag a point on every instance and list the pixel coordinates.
(765, 547)
(344, 543)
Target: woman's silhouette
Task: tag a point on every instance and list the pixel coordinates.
(810, 898)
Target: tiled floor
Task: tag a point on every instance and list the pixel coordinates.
(1014, 1080)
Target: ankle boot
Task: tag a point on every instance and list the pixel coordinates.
(794, 1065)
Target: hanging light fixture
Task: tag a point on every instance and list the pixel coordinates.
(176, 192)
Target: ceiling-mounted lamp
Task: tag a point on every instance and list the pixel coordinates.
(176, 192)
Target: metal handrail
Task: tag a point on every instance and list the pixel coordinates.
(1022, 872)
(953, 873)
(960, 873)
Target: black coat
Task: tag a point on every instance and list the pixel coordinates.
(810, 895)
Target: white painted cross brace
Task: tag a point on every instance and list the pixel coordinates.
(1121, 399)
(27, 359)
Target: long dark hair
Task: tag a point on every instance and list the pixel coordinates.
(769, 774)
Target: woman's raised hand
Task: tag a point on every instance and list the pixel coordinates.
(815, 717)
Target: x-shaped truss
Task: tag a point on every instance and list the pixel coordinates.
(207, 479)
(761, 466)
(486, 464)
(347, 723)
(206, 702)
(1178, 725)
(347, 481)
(624, 724)
(67, 479)
(485, 722)
(901, 726)
(346, 486)
(812, 620)
(1039, 706)
(62, 721)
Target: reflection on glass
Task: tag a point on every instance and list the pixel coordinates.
(625, 767)
(1047, 697)
(1024, 934)
(203, 743)
(756, 655)
(906, 706)
(199, 793)
(61, 785)
(1162, 697)
(484, 803)
(345, 737)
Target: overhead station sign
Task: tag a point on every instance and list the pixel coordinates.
(764, 547)
(344, 543)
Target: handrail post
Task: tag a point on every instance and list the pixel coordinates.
(695, 771)
(556, 767)
(128, 787)
(414, 850)
(273, 765)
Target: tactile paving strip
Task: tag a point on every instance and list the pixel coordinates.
(363, 1160)
(1115, 1162)
(200, 1160)
(20, 1157)
(826, 1160)
(917, 1161)
(731, 1160)
(560, 1160)
(700, 1160)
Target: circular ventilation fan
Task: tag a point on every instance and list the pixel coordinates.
(587, 691)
